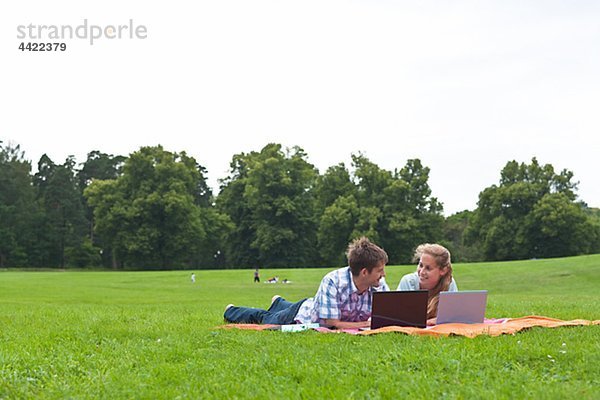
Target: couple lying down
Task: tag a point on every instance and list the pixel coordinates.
(344, 297)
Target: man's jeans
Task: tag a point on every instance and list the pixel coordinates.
(281, 312)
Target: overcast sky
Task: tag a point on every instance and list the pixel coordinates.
(463, 85)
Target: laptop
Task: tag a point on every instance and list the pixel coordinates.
(399, 308)
(466, 307)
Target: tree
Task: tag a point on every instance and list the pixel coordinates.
(238, 249)
(531, 213)
(394, 209)
(337, 212)
(371, 181)
(268, 196)
(98, 165)
(453, 237)
(336, 228)
(413, 215)
(149, 216)
(336, 182)
(408, 215)
(109, 208)
(557, 226)
(63, 226)
(17, 207)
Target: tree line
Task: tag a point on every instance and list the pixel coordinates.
(154, 210)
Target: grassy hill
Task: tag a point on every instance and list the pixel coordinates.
(154, 335)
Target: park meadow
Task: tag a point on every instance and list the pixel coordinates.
(156, 335)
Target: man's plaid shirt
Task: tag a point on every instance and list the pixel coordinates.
(338, 298)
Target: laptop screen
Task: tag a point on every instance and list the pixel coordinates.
(466, 307)
(399, 308)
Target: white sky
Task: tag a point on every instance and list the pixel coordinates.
(463, 85)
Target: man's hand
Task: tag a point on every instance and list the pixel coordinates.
(347, 325)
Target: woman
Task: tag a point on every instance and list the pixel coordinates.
(434, 273)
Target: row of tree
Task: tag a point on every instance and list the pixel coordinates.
(154, 209)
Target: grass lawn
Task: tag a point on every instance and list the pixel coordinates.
(151, 335)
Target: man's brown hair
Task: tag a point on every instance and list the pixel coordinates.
(364, 254)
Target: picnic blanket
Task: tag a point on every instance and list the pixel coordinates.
(490, 327)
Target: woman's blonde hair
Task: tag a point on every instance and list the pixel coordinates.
(443, 261)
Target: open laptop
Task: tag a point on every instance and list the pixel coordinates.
(467, 307)
(399, 308)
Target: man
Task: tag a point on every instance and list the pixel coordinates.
(343, 300)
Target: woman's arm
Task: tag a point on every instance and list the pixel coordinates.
(407, 283)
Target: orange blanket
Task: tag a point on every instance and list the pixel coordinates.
(507, 326)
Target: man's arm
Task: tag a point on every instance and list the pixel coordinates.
(336, 323)
(328, 307)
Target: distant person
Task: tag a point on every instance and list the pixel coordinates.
(274, 279)
(256, 276)
(285, 280)
(434, 273)
(193, 277)
(343, 300)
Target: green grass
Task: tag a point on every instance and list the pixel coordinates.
(150, 335)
